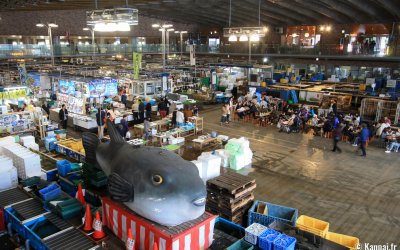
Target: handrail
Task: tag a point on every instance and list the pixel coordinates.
(32, 50)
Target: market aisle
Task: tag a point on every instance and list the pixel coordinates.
(358, 196)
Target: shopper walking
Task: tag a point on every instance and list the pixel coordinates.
(125, 127)
(46, 108)
(148, 109)
(135, 111)
(364, 137)
(63, 115)
(141, 110)
(180, 118)
(100, 119)
(173, 120)
(224, 114)
(337, 134)
(147, 128)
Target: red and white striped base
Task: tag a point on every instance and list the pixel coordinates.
(119, 219)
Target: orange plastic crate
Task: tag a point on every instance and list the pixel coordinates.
(344, 240)
(312, 225)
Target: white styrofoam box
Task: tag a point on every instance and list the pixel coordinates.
(173, 140)
(43, 176)
(5, 163)
(9, 178)
(224, 157)
(199, 165)
(211, 166)
(26, 140)
(237, 161)
(248, 156)
(253, 231)
(33, 146)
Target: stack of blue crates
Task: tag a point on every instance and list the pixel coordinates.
(273, 240)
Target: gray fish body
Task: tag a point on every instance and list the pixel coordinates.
(155, 183)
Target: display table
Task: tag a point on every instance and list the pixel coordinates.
(162, 138)
(200, 143)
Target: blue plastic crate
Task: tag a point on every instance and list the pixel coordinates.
(266, 240)
(11, 217)
(241, 245)
(284, 214)
(284, 242)
(34, 240)
(229, 227)
(63, 167)
(51, 175)
(50, 193)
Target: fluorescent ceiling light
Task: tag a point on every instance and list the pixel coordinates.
(243, 38)
(232, 38)
(40, 25)
(184, 32)
(155, 25)
(123, 27)
(170, 29)
(53, 25)
(86, 29)
(255, 38)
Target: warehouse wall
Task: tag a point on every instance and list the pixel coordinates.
(72, 21)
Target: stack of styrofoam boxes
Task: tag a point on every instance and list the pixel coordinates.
(208, 166)
(29, 142)
(8, 174)
(26, 162)
(240, 154)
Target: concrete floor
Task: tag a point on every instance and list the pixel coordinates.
(358, 196)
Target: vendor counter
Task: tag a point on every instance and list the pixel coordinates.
(75, 120)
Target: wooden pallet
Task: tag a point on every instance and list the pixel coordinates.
(236, 217)
(219, 201)
(231, 184)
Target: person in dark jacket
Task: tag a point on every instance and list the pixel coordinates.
(124, 126)
(167, 105)
(63, 115)
(364, 137)
(337, 134)
(148, 110)
(100, 118)
(173, 120)
(46, 108)
(141, 110)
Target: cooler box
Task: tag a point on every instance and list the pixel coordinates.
(196, 234)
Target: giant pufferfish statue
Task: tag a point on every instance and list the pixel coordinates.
(155, 183)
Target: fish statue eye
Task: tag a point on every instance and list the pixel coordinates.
(157, 179)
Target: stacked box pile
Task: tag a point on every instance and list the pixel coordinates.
(239, 153)
(29, 142)
(230, 195)
(26, 162)
(208, 166)
(93, 176)
(8, 173)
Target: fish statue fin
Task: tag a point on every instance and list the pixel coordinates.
(90, 142)
(120, 189)
(115, 136)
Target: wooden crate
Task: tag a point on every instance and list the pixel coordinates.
(229, 204)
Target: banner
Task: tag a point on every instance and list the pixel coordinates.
(22, 73)
(14, 94)
(137, 61)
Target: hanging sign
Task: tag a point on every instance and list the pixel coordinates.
(391, 83)
(137, 61)
(370, 81)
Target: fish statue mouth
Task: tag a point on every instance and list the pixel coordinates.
(199, 202)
